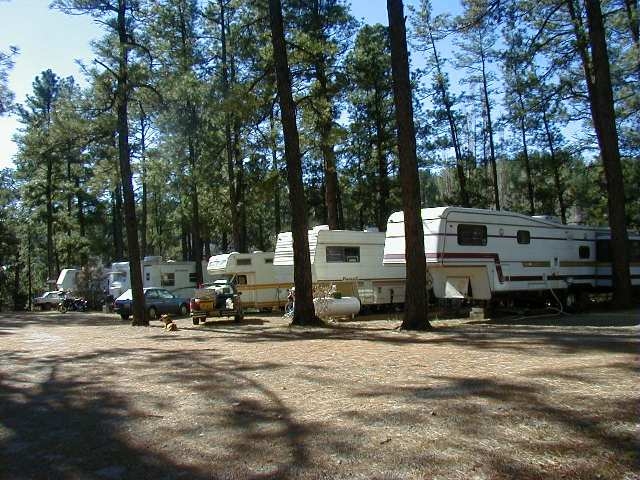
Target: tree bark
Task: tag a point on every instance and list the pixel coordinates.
(415, 314)
(304, 311)
(122, 98)
(604, 120)
(446, 102)
(492, 149)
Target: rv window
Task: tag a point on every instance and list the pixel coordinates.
(168, 280)
(343, 254)
(192, 277)
(268, 260)
(243, 261)
(472, 235)
(241, 279)
(584, 252)
(524, 237)
(603, 252)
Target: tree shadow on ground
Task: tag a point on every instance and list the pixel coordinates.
(84, 416)
(516, 427)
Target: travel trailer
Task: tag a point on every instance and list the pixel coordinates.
(349, 261)
(177, 277)
(482, 254)
(68, 280)
(253, 275)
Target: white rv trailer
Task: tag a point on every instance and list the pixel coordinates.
(349, 260)
(177, 277)
(253, 275)
(68, 279)
(474, 253)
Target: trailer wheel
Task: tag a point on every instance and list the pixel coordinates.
(195, 320)
(124, 316)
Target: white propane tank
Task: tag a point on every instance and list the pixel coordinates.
(337, 307)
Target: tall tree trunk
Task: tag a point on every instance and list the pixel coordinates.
(228, 126)
(195, 210)
(118, 238)
(49, 206)
(446, 102)
(131, 223)
(383, 170)
(304, 311)
(325, 124)
(598, 78)
(143, 168)
(492, 149)
(415, 313)
(527, 162)
(274, 161)
(555, 162)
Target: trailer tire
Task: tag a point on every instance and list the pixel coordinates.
(124, 316)
(195, 320)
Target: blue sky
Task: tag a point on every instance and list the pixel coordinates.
(50, 39)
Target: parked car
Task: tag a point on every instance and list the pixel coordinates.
(157, 301)
(49, 300)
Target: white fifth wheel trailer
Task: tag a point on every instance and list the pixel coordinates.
(349, 260)
(479, 254)
(177, 277)
(253, 275)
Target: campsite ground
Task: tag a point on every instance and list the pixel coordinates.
(88, 396)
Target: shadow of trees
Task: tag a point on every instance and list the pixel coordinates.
(61, 420)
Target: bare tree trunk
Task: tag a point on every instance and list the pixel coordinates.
(304, 311)
(527, 162)
(415, 313)
(604, 120)
(274, 160)
(492, 149)
(556, 169)
(228, 134)
(122, 94)
(446, 102)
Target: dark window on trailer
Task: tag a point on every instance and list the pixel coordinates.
(241, 280)
(268, 260)
(472, 235)
(524, 237)
(243, 261)
(168, 280)
(343, 254)
(584, 252)
(192, 277)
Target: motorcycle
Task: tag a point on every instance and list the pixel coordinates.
(78, 304)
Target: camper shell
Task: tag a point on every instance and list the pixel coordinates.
(350, 261)
(480, 254)
(253, 275)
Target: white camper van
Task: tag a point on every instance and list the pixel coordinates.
(254, 277)
(479, 254)
(350, 260)
(177, 277)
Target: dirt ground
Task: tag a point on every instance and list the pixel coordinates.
(87, 396)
